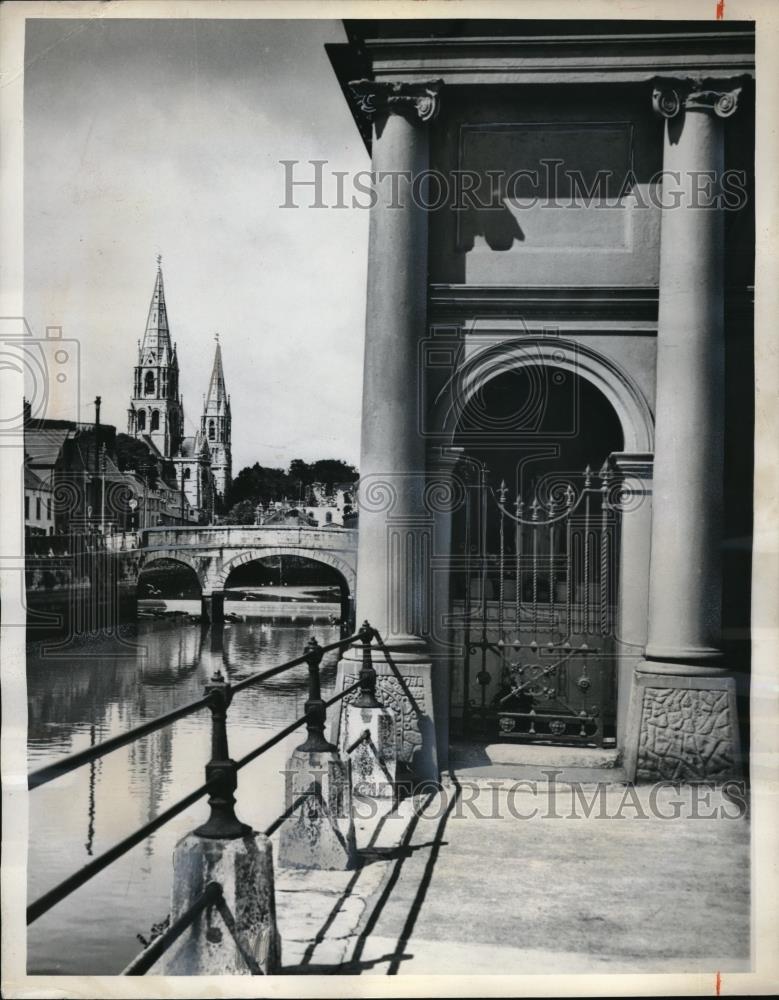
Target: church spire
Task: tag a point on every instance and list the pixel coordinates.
(156, 410)
(215, 424)
(156, 347)
(217, 394)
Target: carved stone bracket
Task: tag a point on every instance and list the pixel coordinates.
(671, 97)
(421, 99)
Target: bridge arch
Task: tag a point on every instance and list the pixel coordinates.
(345, 568)
(175, 555)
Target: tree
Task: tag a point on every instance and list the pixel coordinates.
(241, 513)
(136, 455)
(260, 484)
(257, 483)
(299, 471)
(331, 471)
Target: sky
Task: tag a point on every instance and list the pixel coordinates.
(154, 136)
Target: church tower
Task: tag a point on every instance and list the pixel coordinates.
(156, 412)
(215, 425)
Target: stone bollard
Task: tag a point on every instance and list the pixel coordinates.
(319, 831)
(368, 734)
(244, 869)
(237, 936)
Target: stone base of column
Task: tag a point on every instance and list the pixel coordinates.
(244, 869)
(682, 728)
(404, 685)
(319, 832)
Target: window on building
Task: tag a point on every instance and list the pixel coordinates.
(211, 430)
(37, 508)
(155, 420)
(187, 473)
(142, 420)
(148, 384)
(48, 508)
(27, 508)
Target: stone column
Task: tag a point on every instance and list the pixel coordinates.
(445, 494)
(394, 526)
(684, 700)
(635, 511)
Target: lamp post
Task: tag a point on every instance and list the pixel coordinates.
(133, 504)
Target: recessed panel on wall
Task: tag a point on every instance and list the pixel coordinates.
(555, 203)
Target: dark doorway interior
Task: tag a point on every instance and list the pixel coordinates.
(535, 550)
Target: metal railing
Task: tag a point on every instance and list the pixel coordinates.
(221, 776)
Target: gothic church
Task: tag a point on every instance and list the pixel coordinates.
(202, 461)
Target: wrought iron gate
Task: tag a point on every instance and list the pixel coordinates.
(539, 611)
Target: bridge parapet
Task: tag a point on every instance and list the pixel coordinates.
(249, 536)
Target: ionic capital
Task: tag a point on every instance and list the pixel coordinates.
(671, 97)
(420, 99)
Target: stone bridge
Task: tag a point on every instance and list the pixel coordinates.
(214, 552)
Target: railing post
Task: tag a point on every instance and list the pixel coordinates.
(367, 696)
(225, 851)
(368, 732)
(319, 829)
(315, 708)
(220, 770)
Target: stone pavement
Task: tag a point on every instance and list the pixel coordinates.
(458, 880)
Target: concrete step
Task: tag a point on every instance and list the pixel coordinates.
(479, 763)
(472, 754)
(509, 774)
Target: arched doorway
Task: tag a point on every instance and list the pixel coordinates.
(295, 584)
(536, 554)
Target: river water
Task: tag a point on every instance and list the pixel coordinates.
(84, 692)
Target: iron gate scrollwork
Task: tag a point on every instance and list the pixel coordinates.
(539, 610)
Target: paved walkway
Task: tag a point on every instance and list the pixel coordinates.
(457, 881)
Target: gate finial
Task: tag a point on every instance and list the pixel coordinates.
(605, 476)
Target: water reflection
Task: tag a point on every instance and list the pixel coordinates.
(75, 701)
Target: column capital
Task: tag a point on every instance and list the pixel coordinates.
(421, 100)
(670, 97)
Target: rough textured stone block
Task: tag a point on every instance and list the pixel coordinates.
(319, 832)
(374, 759)
(407, 692)
(244, 869)
(683, 729)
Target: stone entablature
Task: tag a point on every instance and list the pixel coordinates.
(568, 52)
